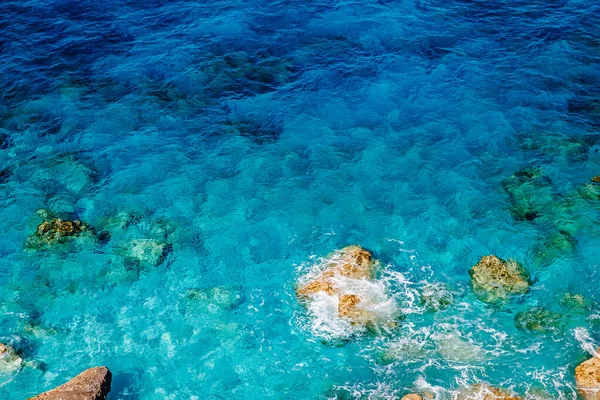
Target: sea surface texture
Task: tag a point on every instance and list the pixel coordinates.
(216, 151)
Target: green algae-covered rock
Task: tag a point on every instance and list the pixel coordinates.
(553, 247)
(574, 301)
(539, 319)
(495, 279)
(531, 194)
(591, 190)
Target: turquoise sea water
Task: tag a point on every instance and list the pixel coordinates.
(237, 141)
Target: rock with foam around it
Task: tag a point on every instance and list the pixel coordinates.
(587, 378)
(412, 396)
(91, 384)
(352, 262)
(494, 279)
(484, 392)
(10, 361)
(347, 276)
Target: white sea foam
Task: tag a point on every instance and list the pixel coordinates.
(585, 340)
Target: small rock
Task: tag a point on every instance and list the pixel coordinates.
(587, 378)
(596, 179)
(495, 279)
(91, 384)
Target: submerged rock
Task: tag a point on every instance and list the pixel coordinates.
(91, 384)
(495, 279)
(539, 319)
(452, 346)
(146, 252)
(217, 298)
(575, 301)
(9, 360)
(591, 191)
(484, 392)
(436, 296)
(344, 287)
(530, 192)
(587, 378)
(553, 247)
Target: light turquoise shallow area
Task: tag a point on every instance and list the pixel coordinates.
(249, 137)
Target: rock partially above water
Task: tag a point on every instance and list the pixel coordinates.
(495, 279)
(57, 231)
(345, 287)
(91, 384)
(348, 307)
(587, 377)
(484, 392)
(9, 359)
(412, 396)
(352, 262)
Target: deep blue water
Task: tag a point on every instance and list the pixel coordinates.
(249, 137)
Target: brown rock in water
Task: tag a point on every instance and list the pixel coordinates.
(58, 230)
(495, 279)
(596, 179)
(91, 384)
(412, 396)
(484, 392)
(587, 378)
(352, 262)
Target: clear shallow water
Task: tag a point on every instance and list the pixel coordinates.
(252, 136)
